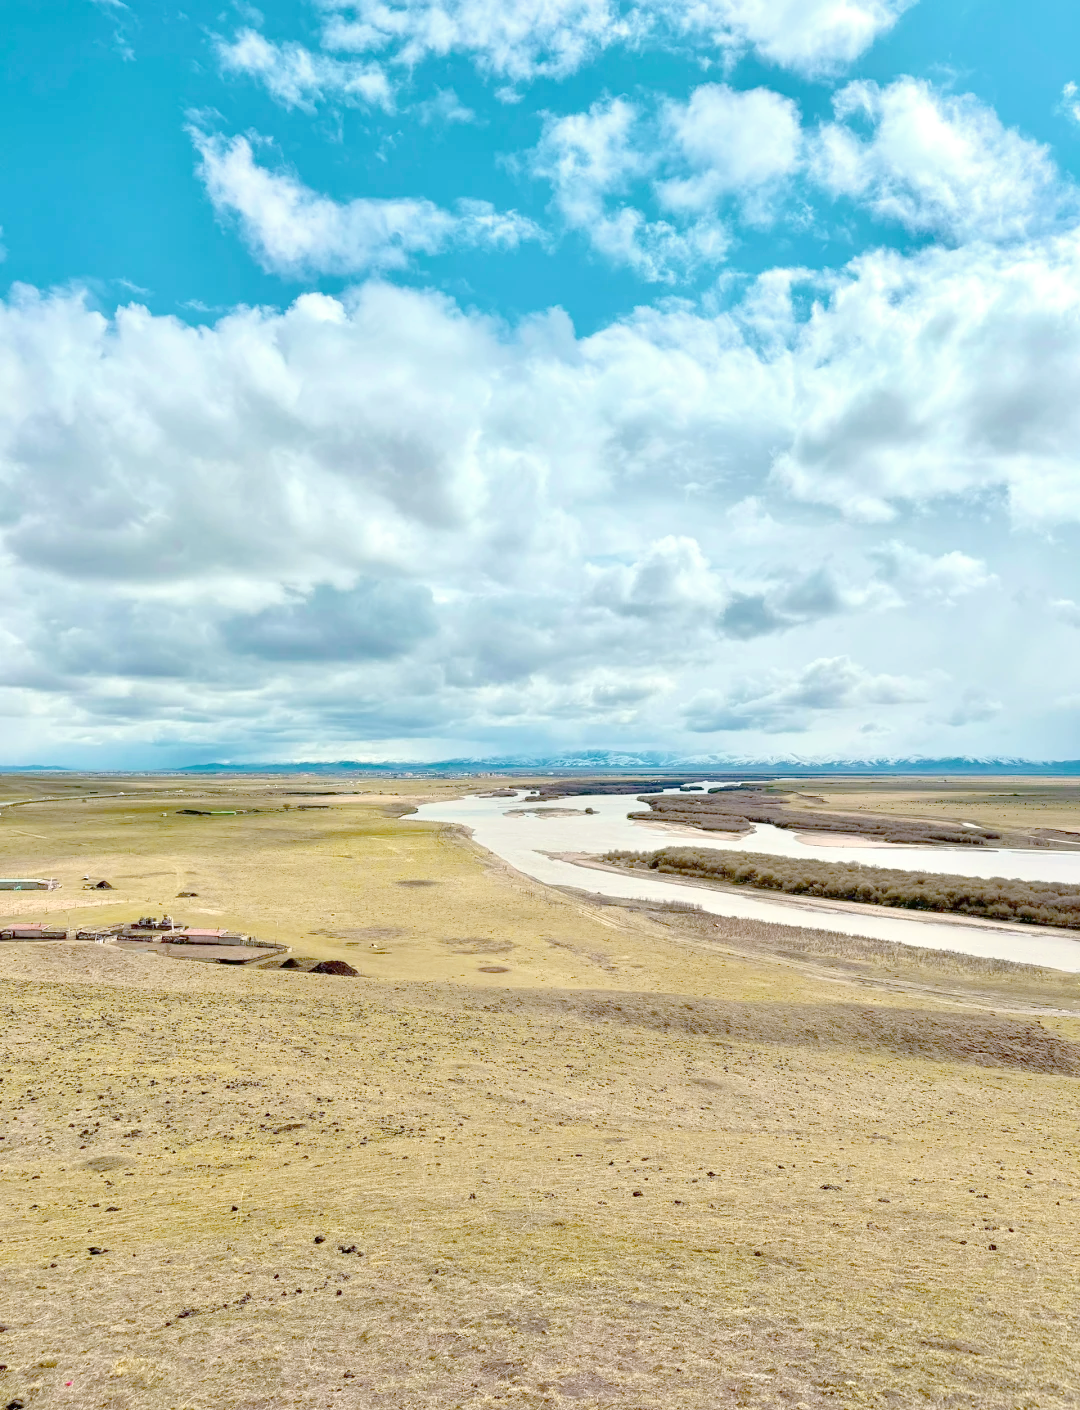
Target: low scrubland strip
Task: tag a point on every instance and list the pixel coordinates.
(995, 898)
(739, 809)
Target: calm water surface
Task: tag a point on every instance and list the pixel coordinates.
(524, 839)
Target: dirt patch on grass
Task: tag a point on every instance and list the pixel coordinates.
(985, 1040)
(478, 945)
(358, 933)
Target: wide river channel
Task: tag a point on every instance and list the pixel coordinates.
(525, 838)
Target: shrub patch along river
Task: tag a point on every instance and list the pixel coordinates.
(533, 839)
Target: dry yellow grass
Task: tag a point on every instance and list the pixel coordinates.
(1021, 805)
(825, 1153)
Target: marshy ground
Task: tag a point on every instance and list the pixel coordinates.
(542, 1152)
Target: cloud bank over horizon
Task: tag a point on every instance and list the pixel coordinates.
(808, 486)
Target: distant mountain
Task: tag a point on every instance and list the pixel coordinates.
(35, 769)
(299, 767)
(618, 760)
(608, 761)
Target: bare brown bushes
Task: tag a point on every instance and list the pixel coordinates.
(994, 898)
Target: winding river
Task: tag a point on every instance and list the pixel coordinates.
(525, 838)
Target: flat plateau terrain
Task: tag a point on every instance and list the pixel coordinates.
(1022, 805)
(541, 1152)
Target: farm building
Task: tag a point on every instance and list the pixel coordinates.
(32, 884)
(168, 937)
(216, 954)
(33, 932)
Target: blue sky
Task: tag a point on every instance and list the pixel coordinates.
(416, 379)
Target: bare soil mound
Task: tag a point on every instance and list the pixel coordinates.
(333, 967)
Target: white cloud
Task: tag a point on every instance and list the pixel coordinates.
(947, 374)
(813, 37)
(786, 602)
(514, 39)
(299, 78)
(379, 515)
(943, 578)
(372, 620)
(937, 163)
(975, 707)
(736, 143)
(1067, 611)
(672, 576)
(294, 231)
(443, 108)
(1070, 102)
(781, 702)
(589, 159)
(749, 522)
(589, 156)
(522, 40)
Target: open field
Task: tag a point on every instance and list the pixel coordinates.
(903, 817)
(542, 1152)
(1025, 806)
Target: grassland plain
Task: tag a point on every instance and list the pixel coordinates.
(1029, 807)
(542, 1152)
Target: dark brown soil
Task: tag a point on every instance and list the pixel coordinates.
(334, 967)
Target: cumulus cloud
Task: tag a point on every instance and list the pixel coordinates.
(588, 156)
(529, 39)
(937, 163)
(943, 578)
(1070, 102)
(592, 157)
(372, 620)
(781, 702)
(735, 142)
(545, 514)
(294, 231)
(975, 707)
(672, 575)
(785, 604)
(812, 37)
(298, 78)
(672, 584)
(444, 108)
(947, 374)
(523, 40)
